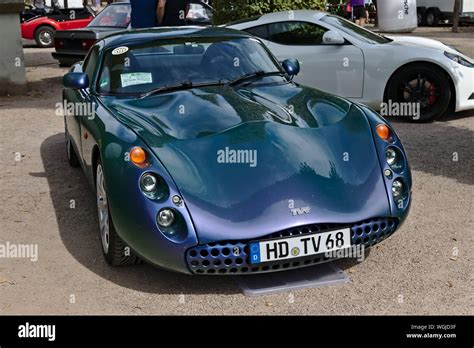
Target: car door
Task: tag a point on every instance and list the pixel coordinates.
(80, 104)
(87, 120)
(337, 69)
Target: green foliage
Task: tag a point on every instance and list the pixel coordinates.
(232, 10)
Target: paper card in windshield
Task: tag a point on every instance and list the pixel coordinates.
(135, 78)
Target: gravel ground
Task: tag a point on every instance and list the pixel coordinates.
(425, 268)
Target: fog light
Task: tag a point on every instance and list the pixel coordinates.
(165, 217)
(387, 173)
(398, 189)
(148, 182)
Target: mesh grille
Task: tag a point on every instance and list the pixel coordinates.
(232, 257)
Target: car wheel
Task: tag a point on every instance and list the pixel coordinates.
(64, 64)
(421, 85)
(432, 17)
(72, 158)
(421, 17)
(116, 252)
(44, 36)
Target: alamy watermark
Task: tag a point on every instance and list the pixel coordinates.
(28, 330)
(21, 251)
(232, 156)
(83, 109)
(354, 251)
(400, 109)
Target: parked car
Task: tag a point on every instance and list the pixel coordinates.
(340, 57)
(73, 45)
(206, 157)
(41, 24)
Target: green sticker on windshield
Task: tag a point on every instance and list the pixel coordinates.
(136, 78)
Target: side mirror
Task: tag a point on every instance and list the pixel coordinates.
(291, 66)
(332, 37)
(76, 81)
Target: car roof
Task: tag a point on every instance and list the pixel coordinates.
(149, 34)
(299, 15)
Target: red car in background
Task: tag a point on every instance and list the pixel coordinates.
(41, 24)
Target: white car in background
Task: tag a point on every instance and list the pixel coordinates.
(392, 74)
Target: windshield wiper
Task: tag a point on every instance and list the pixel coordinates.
(255, 75)
(179, 87)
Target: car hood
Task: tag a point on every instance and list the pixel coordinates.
(420, 41)
(305, 157)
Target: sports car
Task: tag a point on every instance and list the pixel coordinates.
(207, 158)
(41, 24)
(408, 76)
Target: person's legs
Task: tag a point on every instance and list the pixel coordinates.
(359, 14)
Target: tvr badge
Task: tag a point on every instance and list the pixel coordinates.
(297, 211)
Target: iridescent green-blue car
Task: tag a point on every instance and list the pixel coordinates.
(206, 158)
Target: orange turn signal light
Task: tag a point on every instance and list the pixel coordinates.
(383, 132)
(138, 156)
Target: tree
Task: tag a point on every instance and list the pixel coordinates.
(457, 8)
(232, 10)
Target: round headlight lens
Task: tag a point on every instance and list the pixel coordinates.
(398, 189)
(148, 182)
(395, 159)
(165, 217)
(391, 156)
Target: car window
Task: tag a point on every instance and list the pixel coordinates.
(295, 33)
(139, 68)
(90, 63)
(261, 31)
(117, 16)
(355, 30)
(199, 12)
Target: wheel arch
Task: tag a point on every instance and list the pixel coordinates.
(432, 64)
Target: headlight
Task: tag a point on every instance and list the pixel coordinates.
(154, 186)
(395, 159)
(148, 182)
(458, 59)
(165, 217)
(391, 156)
(398, 189)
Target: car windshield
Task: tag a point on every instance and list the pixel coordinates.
(354, 30)
(117, 16)
(141, 68)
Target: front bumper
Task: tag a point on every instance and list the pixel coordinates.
(232, 257)
(464, 82)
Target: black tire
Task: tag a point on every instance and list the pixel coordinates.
(44, 36)
(72, 158)
(432, 17)
(424, 84)
(421, 13)
(116, 252)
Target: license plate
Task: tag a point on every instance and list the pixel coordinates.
(299, 246)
